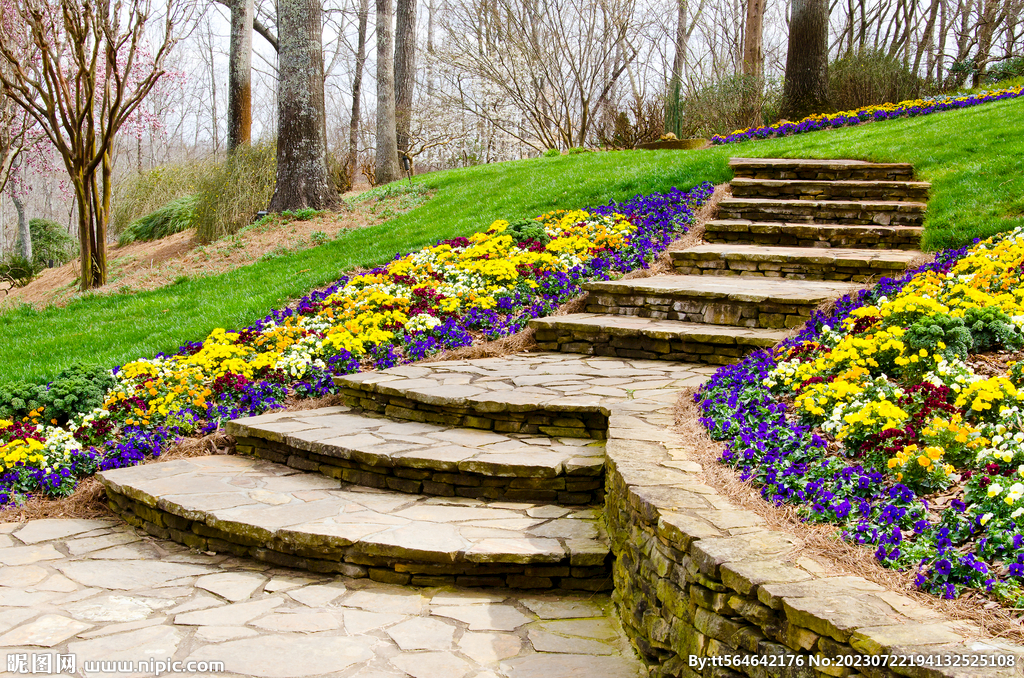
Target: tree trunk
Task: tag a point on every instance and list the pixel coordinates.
(806, 90)
(753, 61)
(925, 44)
(673, 122)
(357, 89)
(405, 70)
(24, 234)
(387, 169)
(240, 75)
(302, 177)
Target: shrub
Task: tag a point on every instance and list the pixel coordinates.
(141, 194)
(1007, 69)
(552, 153)
(17, 270)
(50, 242)
(726, 105)
(174, 217)
(76, 390)
(232, 194)
(868, 78)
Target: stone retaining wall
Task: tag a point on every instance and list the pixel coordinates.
(697, 577)
(580, 571)
(581, 485)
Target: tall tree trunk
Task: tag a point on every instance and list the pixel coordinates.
(929, 36)
(386, 169)
(24, 234)
(673, 121)
(240, 75)
(806, 89)
(405, 69)
(302, 176)
(357, 89)
(753, 60)
(214, 119)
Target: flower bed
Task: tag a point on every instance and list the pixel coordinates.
(446, 296)
(909, 109)
(898, 417)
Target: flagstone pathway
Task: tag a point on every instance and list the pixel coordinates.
(103, 591)
(480, 473)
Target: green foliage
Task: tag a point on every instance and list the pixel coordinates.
(552, 153)
(232, 193)
(870, 77)
(140, 194)
(1008, 69)
(927, 332)
(76, 390)
(50, 242)
(17, 270)
(528, 230)
(304, 214)
(174, 217)
(576, 150)
(318, 238)
(991, 329)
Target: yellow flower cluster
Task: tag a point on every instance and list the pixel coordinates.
(25, 452)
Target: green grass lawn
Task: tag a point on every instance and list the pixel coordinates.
(974, 159)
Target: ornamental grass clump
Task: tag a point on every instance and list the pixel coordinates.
(899, 417)
(446, 296)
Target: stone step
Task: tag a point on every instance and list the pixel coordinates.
(912, 191)
(421, 458)
(634, 337)
(823, 170)
(273, 513)
(769, 303)
(807, 263)
(556, 394)
(863, 212)
(746, 232)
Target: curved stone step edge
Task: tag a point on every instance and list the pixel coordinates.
(748, 582)
(876, 258)
(846, 204)
(301, 440)
(811, 292)
(167, 519)
(852, 236)
(725, 335)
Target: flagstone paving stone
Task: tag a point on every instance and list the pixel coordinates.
(292, 624)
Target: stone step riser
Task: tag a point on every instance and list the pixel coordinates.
(769, 314)
(584, 487)
(825, 170)
(589, 574)
(814, 212)
(800, 235)
(832, 191)
(772, 269)
(646, 348)
(547, 421)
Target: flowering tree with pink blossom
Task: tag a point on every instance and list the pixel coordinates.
(81, 69)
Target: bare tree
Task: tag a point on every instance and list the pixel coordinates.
(90, 66)
(240, 75)
(806, 89)
(302, 176)
(538, 69)
(386, 168)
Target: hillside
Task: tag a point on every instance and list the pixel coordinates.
(974, 159)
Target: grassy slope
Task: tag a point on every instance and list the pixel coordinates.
(974, 158)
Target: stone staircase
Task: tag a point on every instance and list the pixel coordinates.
(491, 472)
(795, 234)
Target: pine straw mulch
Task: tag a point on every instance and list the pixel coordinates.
(823, 544)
